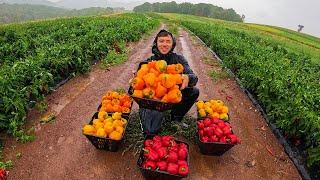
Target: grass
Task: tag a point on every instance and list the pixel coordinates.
(216, 75)
(173, 28)
(117, 55)
(4, 164)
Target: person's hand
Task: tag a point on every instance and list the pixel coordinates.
(133, 76)
(185, 81)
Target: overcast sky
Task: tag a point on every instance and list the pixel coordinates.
(284, 13)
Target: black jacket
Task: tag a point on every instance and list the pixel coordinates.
(172, 58)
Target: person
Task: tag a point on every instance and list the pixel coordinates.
(162, 49)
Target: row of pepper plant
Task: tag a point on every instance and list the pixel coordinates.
(286, 83)
(36, 56)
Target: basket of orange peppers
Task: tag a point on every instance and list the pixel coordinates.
(156, 85)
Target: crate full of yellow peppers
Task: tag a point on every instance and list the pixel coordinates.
(105, 131)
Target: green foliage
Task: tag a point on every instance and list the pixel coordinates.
(285, 82)
(42, 106)
(117, 55)
(10, 13)
(6, 165)
(36, 56)
(173, 28)
(201, 9)
(215, 75)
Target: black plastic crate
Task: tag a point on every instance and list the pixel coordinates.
(124, 115)
(212, 148)
(159, 175)
(105, 143)
(150, 103)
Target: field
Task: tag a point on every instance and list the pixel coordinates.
(36, 56)
(280, 67)
(64, 67)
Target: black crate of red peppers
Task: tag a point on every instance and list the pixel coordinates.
(215, 137)
(164, 158)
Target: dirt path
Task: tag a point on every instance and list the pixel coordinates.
(62, 152)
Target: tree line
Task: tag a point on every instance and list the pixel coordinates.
(201, 9)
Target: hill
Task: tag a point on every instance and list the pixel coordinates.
(23, 12)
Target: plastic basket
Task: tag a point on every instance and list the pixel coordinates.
(159, 175)
(105, 143)
(212, 148)
(150, 103)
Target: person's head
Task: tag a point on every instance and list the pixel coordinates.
(164, 42)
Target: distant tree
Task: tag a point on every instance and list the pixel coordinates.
(243, 17)
(300, 27)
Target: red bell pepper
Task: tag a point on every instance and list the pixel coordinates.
(213, 126)
(173, 143)
(221, 125)
(234, 139)
(167, 140)
(162, 152)
(218, 132)
(156, 138)
(148, 143)
(214, 138)
(226, 130)
(182, 162)
(151, 154)
(174, 148)
(182, 153)
(146, 151)
(200, 125)
(215, 120)
(223, 139)
(3, 174)
(149, 165)
(172, 168)
(162, 165)
(182, 146)
(205, 139)
(172, 157)
(156, 145)
(183, 170)
(207, 122)
(201, 132)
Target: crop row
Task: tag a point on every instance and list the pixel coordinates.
(36, 56)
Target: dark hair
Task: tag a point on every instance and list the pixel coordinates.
(164, 34)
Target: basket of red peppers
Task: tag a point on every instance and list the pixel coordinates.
(163, 157)
(215, 136)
